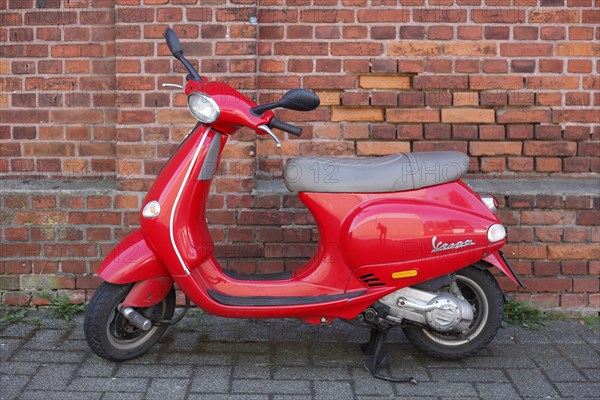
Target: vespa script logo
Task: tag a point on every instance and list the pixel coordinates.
(441, 246)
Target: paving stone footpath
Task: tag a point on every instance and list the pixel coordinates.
(206, 357)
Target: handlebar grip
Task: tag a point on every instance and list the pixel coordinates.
(284, 126)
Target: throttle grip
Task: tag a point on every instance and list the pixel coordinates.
(284, 126)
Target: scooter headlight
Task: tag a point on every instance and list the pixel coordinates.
(203, 108)
(496, 233)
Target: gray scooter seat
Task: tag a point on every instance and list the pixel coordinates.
(393, 173)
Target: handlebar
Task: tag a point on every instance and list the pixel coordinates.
(284, 126)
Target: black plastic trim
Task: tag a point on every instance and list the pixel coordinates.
(517, 277)
(275, 276)
(264, 301)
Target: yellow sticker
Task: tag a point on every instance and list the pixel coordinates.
(404, 274)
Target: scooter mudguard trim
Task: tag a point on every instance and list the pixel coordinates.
(265, 301)
(132, 260)
(274, 276)
(149, 292)
(498, 260)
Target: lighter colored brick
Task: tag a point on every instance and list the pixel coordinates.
(381, 148)
(384, 82)
(356, 114)
(468, 115)
(329, 98)
(4, 67)
(578, 49)
(470, 49)
(413, 49)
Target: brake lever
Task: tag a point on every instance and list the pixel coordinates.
(174, 85)
(270, 132)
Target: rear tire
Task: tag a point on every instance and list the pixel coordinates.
(478, 287)
(113, 337)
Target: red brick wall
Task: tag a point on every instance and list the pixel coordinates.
(513, 83)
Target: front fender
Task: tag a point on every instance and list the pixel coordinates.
(132, 260)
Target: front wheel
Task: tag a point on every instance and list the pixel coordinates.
(480, 289)
(110, 335)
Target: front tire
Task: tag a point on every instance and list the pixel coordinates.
(480, 289)
(113, 337)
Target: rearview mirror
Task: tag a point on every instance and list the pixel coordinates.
(173, 43)
(295, 99)
(299, 100)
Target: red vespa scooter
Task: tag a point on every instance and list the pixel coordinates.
(402, 242)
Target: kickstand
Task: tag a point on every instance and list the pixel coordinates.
(376, 357)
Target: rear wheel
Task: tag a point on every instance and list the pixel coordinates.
(480, 289)
(110, 335)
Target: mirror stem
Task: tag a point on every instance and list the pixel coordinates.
(260, 110)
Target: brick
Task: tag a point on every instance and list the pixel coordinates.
(381, 148)
(438, 99)
(522, 65)
(494, 83)
(412, 115)
(439, 66)
(495, 66)
(496, 15)
(77, 50)
(441, 82)
(383, 32)
(383, 15)
(410, 99)
(472, 115)
(440, 32)
(356, 114)
(525, 50)
(553, 16)
(573, 252)
(547, 217)
(495, 148)
(415, 49)
(523, 116)
(575, 116)
(466, 66)
(383, 132)
(354, 32)
(470, 49)
(384, 66)
(588, 218)
(581, 33)
(492, 164)
(412, 32)
(548, 132)
(469, 32)
(578, 49)
(438, 131)
(497, 32)
(553, 33)
(411, 66)
(552, 82)
(355, 99)
(384, 82)
(356, 49)
(440, 14)
(550, 148)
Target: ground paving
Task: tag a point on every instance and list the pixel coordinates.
(206, 357)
